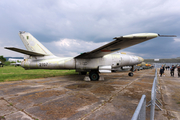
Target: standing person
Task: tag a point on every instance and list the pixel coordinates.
(178, 70)
(168, 68)
(161, 71)
(163, 68)
(172, 70)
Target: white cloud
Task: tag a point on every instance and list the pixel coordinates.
(84, 21)
(73, 47)
(177, 39)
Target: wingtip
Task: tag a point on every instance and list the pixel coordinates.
(118, 37)
(167, 35)
(6, 47)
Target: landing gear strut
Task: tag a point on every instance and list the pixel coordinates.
(83, 73)
(131, 73)
(94, 76)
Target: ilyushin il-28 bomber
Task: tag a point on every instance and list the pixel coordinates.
(96, 61)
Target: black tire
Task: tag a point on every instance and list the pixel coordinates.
(130, 74)
(94, 76)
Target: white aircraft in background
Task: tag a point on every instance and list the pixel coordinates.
(96, 61)
(17, 62)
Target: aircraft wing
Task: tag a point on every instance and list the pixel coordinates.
(25, 51)
(118, 44)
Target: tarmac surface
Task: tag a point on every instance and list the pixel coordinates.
(71, 98)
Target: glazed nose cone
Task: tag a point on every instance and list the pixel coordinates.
(140, 59)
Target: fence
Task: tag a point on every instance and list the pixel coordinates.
(153, 98)
(140, 112)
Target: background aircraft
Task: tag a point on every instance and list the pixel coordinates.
(1, 64)
(16, 62)
(96, 61)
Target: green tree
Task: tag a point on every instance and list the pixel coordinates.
(2, 59)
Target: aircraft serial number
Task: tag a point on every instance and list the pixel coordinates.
(43, 64)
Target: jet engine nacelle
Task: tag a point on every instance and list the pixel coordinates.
(126, 67)
(105, 69)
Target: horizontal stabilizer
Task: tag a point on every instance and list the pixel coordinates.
(25, 51)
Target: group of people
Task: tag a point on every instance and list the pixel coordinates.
(172, 68)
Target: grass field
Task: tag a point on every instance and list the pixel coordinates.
(11, 73)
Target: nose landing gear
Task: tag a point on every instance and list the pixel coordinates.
(131, 73)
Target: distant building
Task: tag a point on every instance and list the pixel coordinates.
(167, 62)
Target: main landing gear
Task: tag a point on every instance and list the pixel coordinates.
(94, 75)
(131, 73)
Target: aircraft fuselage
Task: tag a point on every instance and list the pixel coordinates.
(111, 60)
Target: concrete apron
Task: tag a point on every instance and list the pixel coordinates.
(69, 97)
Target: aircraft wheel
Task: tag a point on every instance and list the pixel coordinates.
(94, 76)
(130, 74)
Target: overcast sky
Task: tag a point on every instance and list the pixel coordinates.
(70, 27)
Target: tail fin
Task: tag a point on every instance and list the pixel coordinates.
(32, 44)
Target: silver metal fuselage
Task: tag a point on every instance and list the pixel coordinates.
(80, 65)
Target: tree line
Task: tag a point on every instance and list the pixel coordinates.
(3, 61)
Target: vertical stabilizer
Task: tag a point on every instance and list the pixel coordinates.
(32, 44)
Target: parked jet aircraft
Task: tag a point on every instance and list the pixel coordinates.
(1, 64)
(96, 61)
(17, 62)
